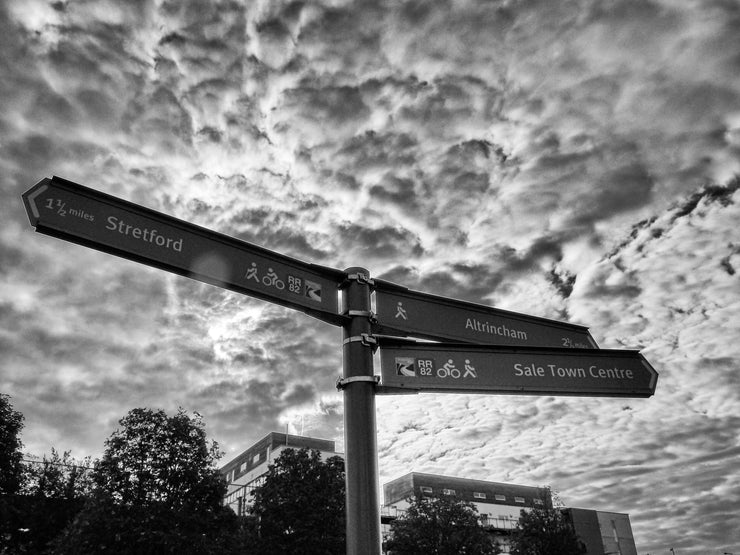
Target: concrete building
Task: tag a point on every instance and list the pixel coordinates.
(602, 532)
(498, 504)
(245, 471)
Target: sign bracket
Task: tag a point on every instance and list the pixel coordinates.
(369, 314)
(360, 278)
(343, 382)
(365, 338)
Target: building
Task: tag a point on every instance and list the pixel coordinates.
(245, 471)
(602, 532)
(498, 504)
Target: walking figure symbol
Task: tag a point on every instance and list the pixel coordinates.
(252, 273)
(469, 370)
(400, 311)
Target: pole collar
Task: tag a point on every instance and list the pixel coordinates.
(369, 314)
(343, 382)
(359, 278)
(365, 338)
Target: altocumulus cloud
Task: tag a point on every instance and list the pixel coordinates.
(573, 160)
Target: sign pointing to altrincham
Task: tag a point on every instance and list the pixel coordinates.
(423, 315)
(70, 211)
(461, 368)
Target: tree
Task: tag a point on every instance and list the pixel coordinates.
(11, 473)
(59, 477)
(53, 493)
(11, 466)
(444, 526)
(160, 459)
(156, 491)
(300, 506)
(544, 530)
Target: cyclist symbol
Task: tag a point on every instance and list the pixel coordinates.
(448, 370)
(272, 279)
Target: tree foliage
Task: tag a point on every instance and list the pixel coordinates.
(156, 491)
(300, 506)
(545, 531)
(11, 469)
(444, 526)
(104, 526)
(167, 460)
(59, 477)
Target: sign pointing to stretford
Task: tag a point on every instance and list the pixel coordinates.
(462, 368)
(420, 314)
(70, 211)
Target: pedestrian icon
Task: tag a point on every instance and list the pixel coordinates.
(400, 311)
(469, 370)
(252, 273)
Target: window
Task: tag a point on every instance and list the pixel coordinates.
(243, 467)
(426, 489)
(256, 459)
(519, 500)
(448, 492)
(500, 497)
(538, 501)
(478, 495)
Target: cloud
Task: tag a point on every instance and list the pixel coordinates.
(563, 161)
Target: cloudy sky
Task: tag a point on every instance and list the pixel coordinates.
(574, 160)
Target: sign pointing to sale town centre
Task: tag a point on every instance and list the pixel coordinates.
(463, 368)
(70, 211)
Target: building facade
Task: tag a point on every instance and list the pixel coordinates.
(498, 504)
(602, 532)
(245, 471)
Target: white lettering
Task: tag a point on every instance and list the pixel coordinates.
(610, 373)
(529, 371)
(143, 234)
(566, 372)
(487, 327)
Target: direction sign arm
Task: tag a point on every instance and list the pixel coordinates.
(402, 311)
(466, 368)
(82, 215)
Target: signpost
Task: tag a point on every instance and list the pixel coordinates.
(70, 211)
(461, 368)
(400, 310)
(503, 352)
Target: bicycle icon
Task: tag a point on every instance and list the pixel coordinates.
(448, 370)
(271, 280)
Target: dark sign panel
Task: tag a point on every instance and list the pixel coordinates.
(400, 310)
(70, 211)
(461, 368)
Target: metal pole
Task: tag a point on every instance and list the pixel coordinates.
(360, 442)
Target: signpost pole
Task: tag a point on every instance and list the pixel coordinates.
(360, 443)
